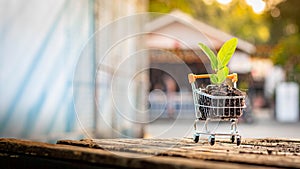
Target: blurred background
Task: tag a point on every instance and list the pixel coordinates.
(107, 69)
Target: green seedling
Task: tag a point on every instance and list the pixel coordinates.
(219, 62)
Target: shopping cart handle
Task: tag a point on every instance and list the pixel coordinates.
(192, 77)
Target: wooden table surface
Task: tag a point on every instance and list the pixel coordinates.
(150, 153)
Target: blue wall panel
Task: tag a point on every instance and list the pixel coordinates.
(40, 43)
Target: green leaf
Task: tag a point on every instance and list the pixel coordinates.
(222, 74)
(214, 78)
(226, 52)
(210, 54)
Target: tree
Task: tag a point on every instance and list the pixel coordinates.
(284, 20)
(236, 18)
(287, 54)
(285, 28)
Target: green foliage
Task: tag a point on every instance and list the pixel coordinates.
(166, 6)
(287, 54)
(287, 22)
(212, 57)
(214, 78)
(219, 62)
(226, 52)
(222, 74)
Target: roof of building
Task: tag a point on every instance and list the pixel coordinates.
(179, 30)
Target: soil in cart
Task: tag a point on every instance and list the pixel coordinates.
(223, 90)
(222, 107)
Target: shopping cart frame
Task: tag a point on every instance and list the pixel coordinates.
(213, 112)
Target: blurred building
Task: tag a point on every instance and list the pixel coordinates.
(174, 41)
(174, 52)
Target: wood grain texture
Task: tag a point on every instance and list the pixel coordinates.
(162, 153)
(262, 152)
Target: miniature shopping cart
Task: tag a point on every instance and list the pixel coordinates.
(216, 108)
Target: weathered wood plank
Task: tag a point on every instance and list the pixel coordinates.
(263, 152)
(81, 152)
(124, 152)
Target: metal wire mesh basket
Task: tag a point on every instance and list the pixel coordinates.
(211, 108)
(217, 107)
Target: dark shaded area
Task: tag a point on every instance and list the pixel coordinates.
(14, 161)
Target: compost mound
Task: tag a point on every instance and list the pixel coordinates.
(221, 107)
(223, 90)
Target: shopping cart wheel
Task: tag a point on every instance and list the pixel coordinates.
(232, 138)
(238, 140)
(196, 138)
(211, 140)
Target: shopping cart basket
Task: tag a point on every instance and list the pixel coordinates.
(216, 108)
